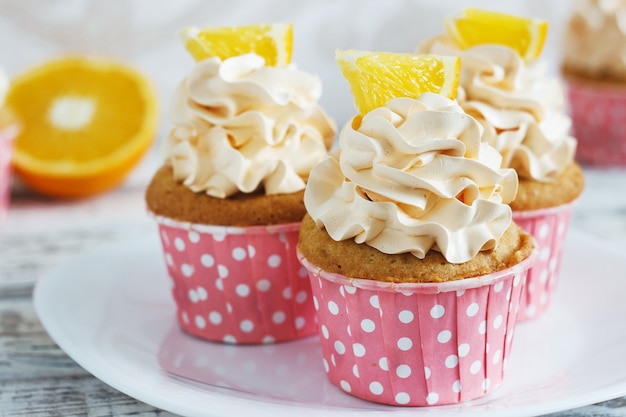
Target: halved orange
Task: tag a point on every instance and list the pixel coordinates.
(377, 77)
(478, 27)
(273, 41)
(86, 122)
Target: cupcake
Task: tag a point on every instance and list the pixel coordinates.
(522, 112)
(415, 263)
(594, 68)
(228, 199)
(8, 132)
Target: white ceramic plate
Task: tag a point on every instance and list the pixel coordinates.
(111, 312)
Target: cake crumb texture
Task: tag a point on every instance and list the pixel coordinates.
(166, 197)
(534, 195)
(598, 78)
(363, 261)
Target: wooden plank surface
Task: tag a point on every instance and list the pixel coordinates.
(39, 379)
(36, 377)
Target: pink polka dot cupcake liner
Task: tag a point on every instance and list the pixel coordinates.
(549, 228)
(7, 136)
(599, 124)
(417, 344)
(240, 285)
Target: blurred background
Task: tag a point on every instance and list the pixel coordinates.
(144, 33)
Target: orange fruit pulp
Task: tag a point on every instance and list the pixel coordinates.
(86, 122)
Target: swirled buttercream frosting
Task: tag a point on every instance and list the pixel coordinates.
(413, 176)
(521, 108)
(595, 40)
(240, 125)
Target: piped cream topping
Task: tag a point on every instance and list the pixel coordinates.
(240, 125)
(595, 39)
(415, 175)
(521, 108)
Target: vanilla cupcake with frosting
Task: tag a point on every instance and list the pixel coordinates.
(414, 178)
(594, 68)
(229, 197)
(416, 265)
(522, 110)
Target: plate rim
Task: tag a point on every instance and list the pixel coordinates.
(263, 406)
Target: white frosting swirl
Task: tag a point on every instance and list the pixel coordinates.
(521, 108)
(240, 125)
(414, 176)
(595, 39)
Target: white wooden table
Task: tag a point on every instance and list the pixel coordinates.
(39, 379)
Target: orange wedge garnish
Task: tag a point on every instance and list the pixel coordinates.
(478, 27)
(274, 42)
(377, 77)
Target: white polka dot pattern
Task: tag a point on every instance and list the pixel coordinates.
(416, 348)
(549, 228)
(238, 285)
(6, 150)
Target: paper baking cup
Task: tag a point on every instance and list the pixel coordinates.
(238, 284)
(417, 344)
(599, 123)
(7, 136)
(549, 228)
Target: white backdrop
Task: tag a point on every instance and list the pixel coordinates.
(144, 32)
